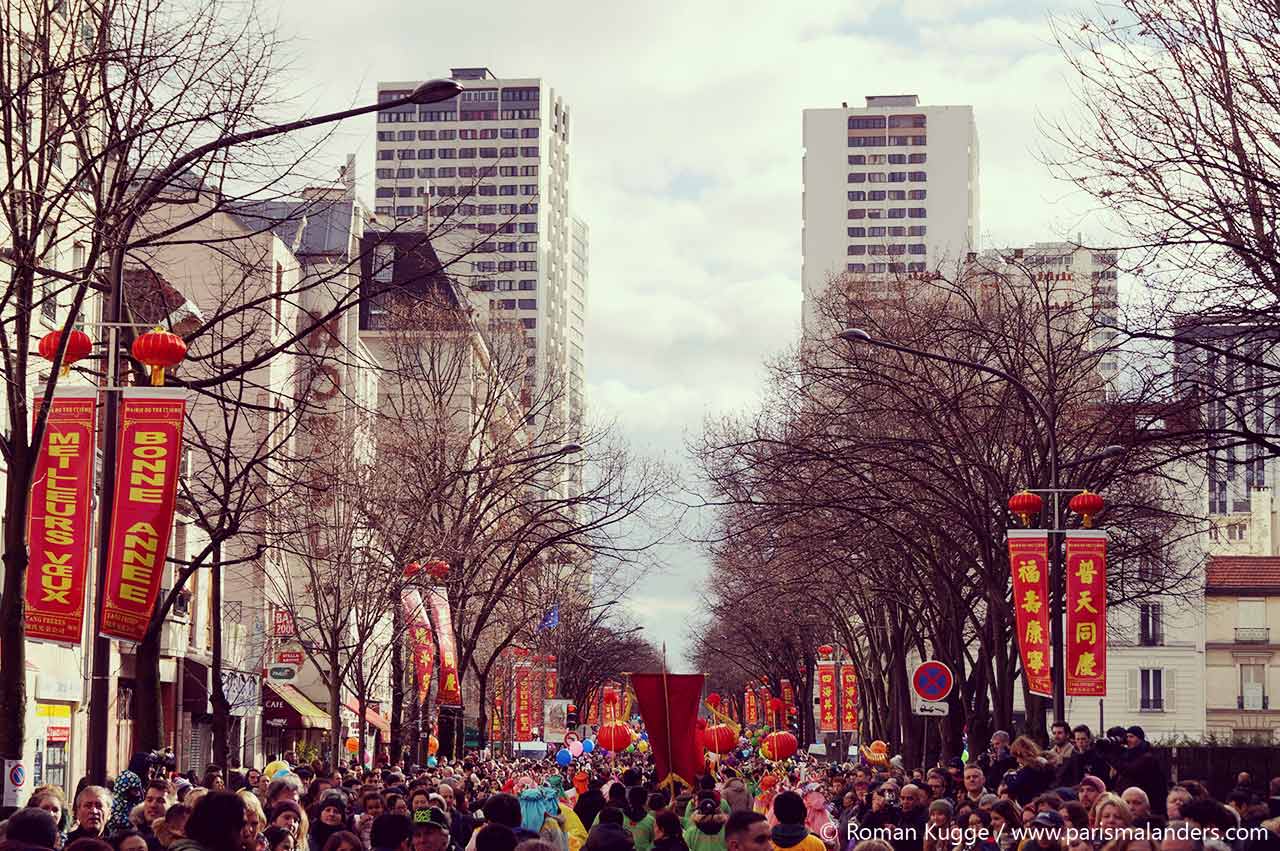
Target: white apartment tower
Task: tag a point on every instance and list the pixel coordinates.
(890, 188)
(493, 165)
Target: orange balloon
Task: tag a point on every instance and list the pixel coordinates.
(433, 745)
(353, 745)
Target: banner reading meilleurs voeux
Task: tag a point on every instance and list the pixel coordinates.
(59, 517)
(1029, 564)
(1086, 638)
(150, 457)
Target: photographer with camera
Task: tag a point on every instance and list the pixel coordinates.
(997, 760)
(1086, 759)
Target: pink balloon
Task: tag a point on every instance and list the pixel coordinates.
(575, 748)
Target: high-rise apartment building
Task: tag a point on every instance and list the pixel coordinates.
(889, 188)
(489, 170)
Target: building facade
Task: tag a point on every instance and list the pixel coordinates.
(889, 189)
(488, 173)
(1242, 670)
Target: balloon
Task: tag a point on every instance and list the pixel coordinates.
(273, 769)
(588, 746)
(643, 745)
(432, 761)
(281, 773)
(433, 745)
(644, 737)
(563, 757)
(575, 748)
(353, 745)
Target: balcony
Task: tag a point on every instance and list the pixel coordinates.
(1253, 704)
(1253, 635)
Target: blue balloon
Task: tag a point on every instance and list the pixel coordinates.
(563, 757)
(644, 736)
(431, 762)
(588, 745)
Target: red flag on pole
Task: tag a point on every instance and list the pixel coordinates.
(1029, 563)
(669, 706)
(826, 697)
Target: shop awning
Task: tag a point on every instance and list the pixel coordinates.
(372, 717)
(284, 706)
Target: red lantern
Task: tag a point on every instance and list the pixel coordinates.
(78, 346)
(719, 738)
(1026, 504)
(713, 700)
(1086, 504)
(775, 705)
(159, 350)
(778, 746)
(437, 569)
(825, 650)
(572, 708)
(411, 569)
(615, 737)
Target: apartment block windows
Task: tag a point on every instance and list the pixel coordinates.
(916, 158)
(857, 177)
(857, 195)
(426, 135)
(906, 121)
(857, 250)
(1151, 689)
(1150, 624)
(528, 133)
(857, 232)
(866, 141)
(529, 152)
(857, 159)
(866, 122)
(916, 213)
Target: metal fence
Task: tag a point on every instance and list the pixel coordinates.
(1217, 766)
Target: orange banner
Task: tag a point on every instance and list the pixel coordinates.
(450, 693)
(59, 516)
(142, 509)
(550, 686)
(750, 714)
(788, 700)
(524, 703)
(1086, 649)
(1029, 564)
(421, 645)
(848, 698)
(826, 697)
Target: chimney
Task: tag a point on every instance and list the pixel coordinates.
(349, 175)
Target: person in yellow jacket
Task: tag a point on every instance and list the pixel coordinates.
(574, 830)
(790, 834)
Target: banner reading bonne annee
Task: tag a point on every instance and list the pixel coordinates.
(147, 467)
(59, 517)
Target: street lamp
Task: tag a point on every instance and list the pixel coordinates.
(431, 91)
(855, 336)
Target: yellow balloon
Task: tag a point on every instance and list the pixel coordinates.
(274, 767)
(642, 746)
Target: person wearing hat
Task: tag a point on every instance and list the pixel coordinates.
(706, 825)
(431, 830)
(1139, 767)
(1044, 833)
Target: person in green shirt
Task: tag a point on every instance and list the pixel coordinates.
(706, 833)
(637, 818)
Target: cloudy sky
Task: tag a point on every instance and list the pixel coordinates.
(686, 162)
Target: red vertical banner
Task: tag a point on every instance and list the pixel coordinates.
(788, 699)
(497, 709)
(450, 692)
(59, 517)
(1029, 564)
(749, 714)
(524, 703)
(1086, 634)
(612, 702)
(421, 645)
(143, 504)
(593, 708)
(826, 697)
(848, 698)
(549, 690)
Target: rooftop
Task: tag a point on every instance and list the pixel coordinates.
(1228, 575)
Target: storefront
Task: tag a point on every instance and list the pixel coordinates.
(52, 730)
(376, 730)
(289, 718)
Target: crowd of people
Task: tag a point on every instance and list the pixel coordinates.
(1080, 794)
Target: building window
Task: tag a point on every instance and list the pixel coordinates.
(906, 121)
(897, 213)
(856, 267)
(916, 230)
(916, 213)
(857, 214)
(857, 232)
(857, 195)
(528, 133)
(897, 177)
(387, 154)
(876, 177)
(857, 177)
(917, 248)
(1151, 689)
(426, 135)
(857, 250)
(866, 141)
(917, 176)
(1150, 624)
(916, 158)
(529, 152)
(1253, 686)
(857, 159)
(866, 122)
(528, 285)
(916, 195)
(877, 230)
(876, 195)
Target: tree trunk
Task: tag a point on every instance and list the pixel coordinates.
(218, 696)
(362, 703)
(335, 715)
(13, 645)
(395, 748)
(148, 717)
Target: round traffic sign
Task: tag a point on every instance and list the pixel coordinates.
(932, 681)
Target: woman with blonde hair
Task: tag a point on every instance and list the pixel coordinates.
(1110, 813)
(1036, 770)
(255, 821)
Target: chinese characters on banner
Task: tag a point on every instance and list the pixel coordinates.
(524, 703)
(826, 697)
(142, 519)
(58, 521)
(420, 642)
(550, 691)
(750, 715)
(450, 693)
(593, 708)
(788, 699)
(848, 698)
(1086, 612)
(612, 702)
(1029, 563)
(497, 709)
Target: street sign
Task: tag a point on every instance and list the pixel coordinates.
(15, 783)
(930, 708)
(932, 681)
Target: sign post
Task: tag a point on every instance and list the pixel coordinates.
(15, 783)
(932, 682)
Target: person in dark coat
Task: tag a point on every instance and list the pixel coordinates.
(590, 803)
(997, 760)
(1036, 772)
(1085, 760)
(1139, 767)
(30, 829)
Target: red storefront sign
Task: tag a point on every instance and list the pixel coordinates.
(826, 697)
(59, 518)
(289, 657)
(1086, 636)
(421, 644)
(143, 504)
(524, 703)
(282, 625)
(848, 698)
(450, 693)
(1029, 564)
